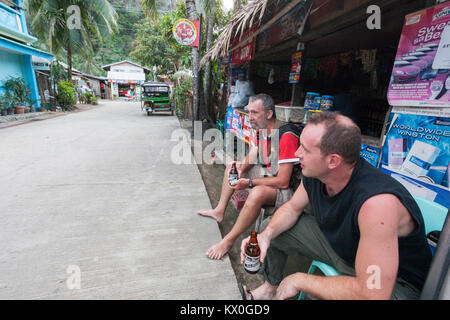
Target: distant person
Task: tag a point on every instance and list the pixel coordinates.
(269, 192)
(365, 224)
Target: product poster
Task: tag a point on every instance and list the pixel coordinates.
(296, 66)
(370, 153)
(416, 152)
(421, 72)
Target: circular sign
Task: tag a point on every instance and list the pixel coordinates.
(184, 31)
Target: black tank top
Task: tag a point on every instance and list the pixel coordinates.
(337, 217)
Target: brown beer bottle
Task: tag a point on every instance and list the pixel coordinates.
(252, 255)
(233, 173)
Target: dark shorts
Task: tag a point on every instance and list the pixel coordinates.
(306, 239)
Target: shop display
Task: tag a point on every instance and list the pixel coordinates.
(422, 67)
(370, 153)
(241, 93)
(326, 104)
(417, 153)
(317, 103)
(309, 100)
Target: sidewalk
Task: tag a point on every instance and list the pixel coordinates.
(212, 175)
(95, 196)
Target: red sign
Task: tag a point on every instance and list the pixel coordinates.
(187, 32)
(245, 50)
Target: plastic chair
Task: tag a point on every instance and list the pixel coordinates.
(325, 268)
(433, 214)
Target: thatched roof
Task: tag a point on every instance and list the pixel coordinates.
(242, 20)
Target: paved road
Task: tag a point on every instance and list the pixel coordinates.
(91, 207)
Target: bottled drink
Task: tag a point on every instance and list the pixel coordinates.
(233, 176)
(252, 255)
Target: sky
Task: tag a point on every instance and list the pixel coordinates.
(227, 4)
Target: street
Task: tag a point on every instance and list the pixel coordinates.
(92, 207)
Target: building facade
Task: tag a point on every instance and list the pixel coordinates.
(16, 51)
(125, 78)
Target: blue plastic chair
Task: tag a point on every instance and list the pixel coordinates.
(433, 214)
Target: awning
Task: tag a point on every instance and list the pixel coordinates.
(18, 48)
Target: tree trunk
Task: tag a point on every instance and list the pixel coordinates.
(207, 79)
(192, 15)
(236, 5)
(69, 61)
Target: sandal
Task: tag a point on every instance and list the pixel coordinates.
(245, 292)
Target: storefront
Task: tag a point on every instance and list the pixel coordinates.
(351, 59)
(125, 78)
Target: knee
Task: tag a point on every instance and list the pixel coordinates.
(257, 195)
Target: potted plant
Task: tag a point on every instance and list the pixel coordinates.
(18, 89)
(6, 102)
(3, 103)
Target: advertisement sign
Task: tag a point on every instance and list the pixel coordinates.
(416, 152)
(370, 153)
(245, 50)
(294, 75)
(187, 32)
(421, 73)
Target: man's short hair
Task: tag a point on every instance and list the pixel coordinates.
(266, 100)
(342, 136)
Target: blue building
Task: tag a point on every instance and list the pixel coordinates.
(15, 50)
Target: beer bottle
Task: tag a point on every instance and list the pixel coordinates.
(252, 255)
(233, 176)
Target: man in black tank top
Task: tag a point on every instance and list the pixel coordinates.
(365, 224)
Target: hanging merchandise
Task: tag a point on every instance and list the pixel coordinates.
(368, 59)
(421, 73)
(271, 78)
(294, 76)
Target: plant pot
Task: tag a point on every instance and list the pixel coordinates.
(4, 112)
(19, 109)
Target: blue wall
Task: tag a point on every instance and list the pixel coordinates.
(11, 65)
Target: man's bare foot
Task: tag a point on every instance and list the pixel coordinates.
(213, 213)
(264, 292)
(218, 250)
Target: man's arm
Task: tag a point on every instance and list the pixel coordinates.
(283, 219)
(376, 262)
(281, 181)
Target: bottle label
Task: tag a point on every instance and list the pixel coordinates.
(251, 263)
(233, 177)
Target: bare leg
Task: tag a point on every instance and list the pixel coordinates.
(264, 292)
(258, 197)
(225, 196)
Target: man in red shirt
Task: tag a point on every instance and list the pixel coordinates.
(271, 181)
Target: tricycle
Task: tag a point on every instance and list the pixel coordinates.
(155, 97)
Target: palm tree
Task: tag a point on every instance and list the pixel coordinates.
(53, 23)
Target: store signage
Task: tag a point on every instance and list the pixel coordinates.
(294, 75)
(187, 32)
(289, 25)
(421, 73)
(416, 152)
(246, 49)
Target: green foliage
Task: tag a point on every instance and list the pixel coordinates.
(87, 97)
(18, 91)
(98, 21)
(180, 96)
(67, 98)
(156, 46)
(94, 100)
